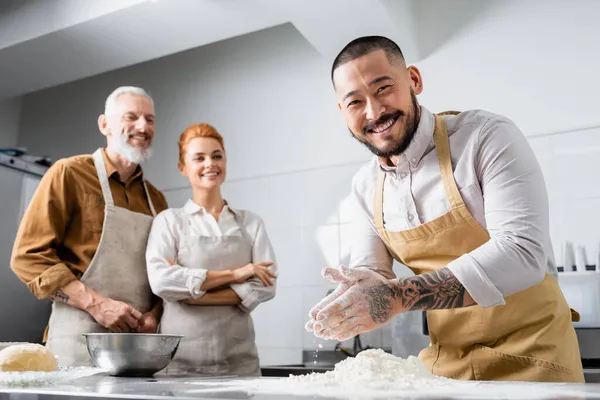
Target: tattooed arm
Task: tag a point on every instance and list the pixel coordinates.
(431, 291)
(371, 300)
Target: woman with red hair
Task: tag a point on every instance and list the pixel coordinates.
(211, 264)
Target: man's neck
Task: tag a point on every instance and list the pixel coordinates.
(124, 168)
(394, 160)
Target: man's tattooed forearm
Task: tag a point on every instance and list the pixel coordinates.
(432, 291)
(60, 296)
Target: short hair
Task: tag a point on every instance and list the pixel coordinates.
(111, 100)
(365, 45)
(197, 131)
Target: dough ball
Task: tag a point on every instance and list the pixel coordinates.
(27, 357)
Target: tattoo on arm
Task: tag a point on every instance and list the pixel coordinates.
(60, 296)
(432, 291)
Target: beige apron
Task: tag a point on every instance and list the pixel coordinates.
(530, 338)
(217, 340)
(117, 271)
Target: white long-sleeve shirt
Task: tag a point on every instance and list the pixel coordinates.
(502, 185)
(175, 283)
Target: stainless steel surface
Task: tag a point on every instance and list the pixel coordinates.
(170, 387)
(24, 317)
(322, 358)
(589, 345)
(591, 375)
(132, 354)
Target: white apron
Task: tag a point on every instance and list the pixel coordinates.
(117, 271)
(217, 340)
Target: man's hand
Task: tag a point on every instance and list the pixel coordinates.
(115, 315)
(368, 300)
(148, 323)
(260, 270)
(363, 303)
(335, 276)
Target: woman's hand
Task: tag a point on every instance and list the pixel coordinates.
(260, 270)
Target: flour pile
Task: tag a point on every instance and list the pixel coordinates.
(38, 378)
(372, 369)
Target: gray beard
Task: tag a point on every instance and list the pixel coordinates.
(129, 152)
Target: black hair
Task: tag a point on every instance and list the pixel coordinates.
(365, 45)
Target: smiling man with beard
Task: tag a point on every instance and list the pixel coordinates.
(460, 199)
(82, 240)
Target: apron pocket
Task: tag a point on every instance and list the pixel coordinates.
(493, 365)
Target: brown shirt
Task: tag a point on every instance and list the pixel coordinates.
(61, 229)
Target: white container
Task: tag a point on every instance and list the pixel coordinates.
(568, 256)
(580, 258)
(582, 291)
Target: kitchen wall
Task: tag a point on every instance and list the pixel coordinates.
(10, 111)
(291, 158)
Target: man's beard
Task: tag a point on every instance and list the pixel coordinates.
(131, 153)
(398, 146)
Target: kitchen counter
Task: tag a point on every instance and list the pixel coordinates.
(185, 387)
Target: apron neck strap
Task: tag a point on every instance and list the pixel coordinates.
(442, 146)
(440, 135)
(378, 205)
(149, 199)
(103, 177)
(105, 185)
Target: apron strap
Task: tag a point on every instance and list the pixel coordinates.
(442, 145)
(242, 226)
(149, 199)
(378, 204)
(103, 177)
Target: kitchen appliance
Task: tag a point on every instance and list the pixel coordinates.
(582, 291)
(24, 316)
(132, 354)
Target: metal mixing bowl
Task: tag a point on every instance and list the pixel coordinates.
(131, 354)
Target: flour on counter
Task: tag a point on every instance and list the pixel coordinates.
(372, 369)
(375, 374)
(37, 378)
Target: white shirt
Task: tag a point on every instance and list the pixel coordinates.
(501, 184)
(175, 283)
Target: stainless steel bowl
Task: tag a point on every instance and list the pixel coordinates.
(131, 354)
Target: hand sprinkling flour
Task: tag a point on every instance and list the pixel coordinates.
(364, 300)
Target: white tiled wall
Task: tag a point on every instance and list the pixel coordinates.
(571, 166)
(307, 218)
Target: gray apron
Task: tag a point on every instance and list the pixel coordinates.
(217, 340)
(117, 271)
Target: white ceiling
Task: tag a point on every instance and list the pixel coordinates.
(44, 43)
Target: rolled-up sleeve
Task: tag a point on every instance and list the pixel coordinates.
(171, 283)
(35, 258)
(516, 216)
(253, 291)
